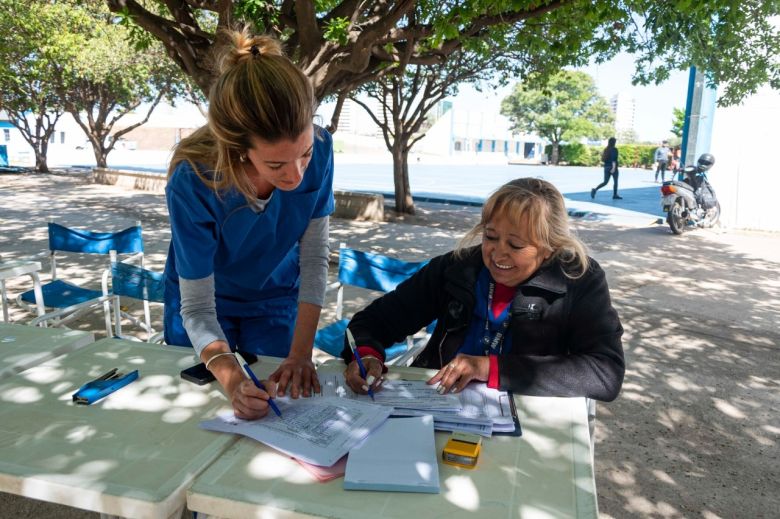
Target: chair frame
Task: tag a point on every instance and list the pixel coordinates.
(413, 345)
(62, 316)
(114, 300)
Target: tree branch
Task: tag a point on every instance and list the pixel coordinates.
(334, 120)
(308, 30)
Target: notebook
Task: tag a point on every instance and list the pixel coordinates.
(398, 456)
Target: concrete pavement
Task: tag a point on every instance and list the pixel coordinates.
(695, 431)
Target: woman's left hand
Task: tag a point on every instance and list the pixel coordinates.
(299, 374)
(461, 370)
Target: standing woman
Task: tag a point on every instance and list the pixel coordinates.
(610, 158)
(249, 196)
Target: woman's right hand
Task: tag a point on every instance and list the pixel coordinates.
(250, 402)
(373, 375)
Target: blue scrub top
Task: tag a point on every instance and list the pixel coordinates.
(254, 256)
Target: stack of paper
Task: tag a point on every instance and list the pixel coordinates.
(477, 409)
(399, 456)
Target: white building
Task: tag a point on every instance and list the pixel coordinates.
(66, 136)
(745, 175)
(148, 145)
(479, 135)
(623, 106)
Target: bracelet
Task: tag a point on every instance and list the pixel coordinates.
(208, 362)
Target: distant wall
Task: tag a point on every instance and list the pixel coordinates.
(349, 205)
(141, 181)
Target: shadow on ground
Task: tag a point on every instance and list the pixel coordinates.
(695, 431)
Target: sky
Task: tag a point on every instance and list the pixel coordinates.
(653, 117)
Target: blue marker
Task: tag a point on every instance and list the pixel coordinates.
(250, 375)
(363, 372)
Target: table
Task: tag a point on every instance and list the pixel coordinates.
(131, 454)
(548, 472)
(23, 347)
(15, 268)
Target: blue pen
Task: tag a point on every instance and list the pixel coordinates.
(363, 372)
(250, 374)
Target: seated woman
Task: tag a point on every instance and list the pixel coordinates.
(526, 310)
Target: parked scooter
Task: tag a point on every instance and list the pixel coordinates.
(692, 202)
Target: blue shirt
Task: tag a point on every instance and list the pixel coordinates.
(254, 256)
(472, 343)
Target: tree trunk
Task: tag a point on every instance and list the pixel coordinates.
(403, 195)
(555, 153)
(40, 156)
(101, 156)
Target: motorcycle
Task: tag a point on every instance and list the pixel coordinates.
(691, 203)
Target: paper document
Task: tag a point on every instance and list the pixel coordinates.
(399, 456)
(407, 394)
(483, 411)
(480, 401)
(452, 421)
(315, 430)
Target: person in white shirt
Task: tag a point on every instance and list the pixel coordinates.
(662, 159)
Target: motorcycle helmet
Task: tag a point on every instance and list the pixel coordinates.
(706, 161)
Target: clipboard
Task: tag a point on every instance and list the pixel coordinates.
(513, 409)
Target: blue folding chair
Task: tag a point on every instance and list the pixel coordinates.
(372, 272)
(69, 300)
(135, 282)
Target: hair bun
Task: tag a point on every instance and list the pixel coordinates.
(243, 45)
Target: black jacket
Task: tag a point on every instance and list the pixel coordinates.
(565, 333)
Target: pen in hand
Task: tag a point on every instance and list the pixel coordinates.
(363, 372)
(251, 375)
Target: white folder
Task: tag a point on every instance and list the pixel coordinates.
(399, 456)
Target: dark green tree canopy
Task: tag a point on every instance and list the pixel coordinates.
(344, 44)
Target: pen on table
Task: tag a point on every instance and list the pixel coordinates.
(363, 372)
(251, 375)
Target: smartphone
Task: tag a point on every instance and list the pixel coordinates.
(198, 374)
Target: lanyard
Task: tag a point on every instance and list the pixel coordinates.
(496, 345)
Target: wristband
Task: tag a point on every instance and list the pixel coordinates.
(224, 353)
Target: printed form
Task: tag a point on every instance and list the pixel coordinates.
(315, 430)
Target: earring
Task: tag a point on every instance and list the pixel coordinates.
(242, 157)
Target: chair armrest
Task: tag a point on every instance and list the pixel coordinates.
(56, 314)
(104, 281)
(332, 286)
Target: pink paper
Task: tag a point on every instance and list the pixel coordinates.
(326, 473)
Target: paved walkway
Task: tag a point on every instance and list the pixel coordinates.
(695, 431)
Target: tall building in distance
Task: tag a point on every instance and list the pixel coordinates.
(624, 107)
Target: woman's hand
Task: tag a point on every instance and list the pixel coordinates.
(250, 402)
(298, 374)
(373, 375)
(461, 370)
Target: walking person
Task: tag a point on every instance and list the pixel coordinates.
(610, 158)
(249, 196)
(662, 154)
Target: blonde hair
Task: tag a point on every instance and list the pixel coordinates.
(537, 207)
(259, 93)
